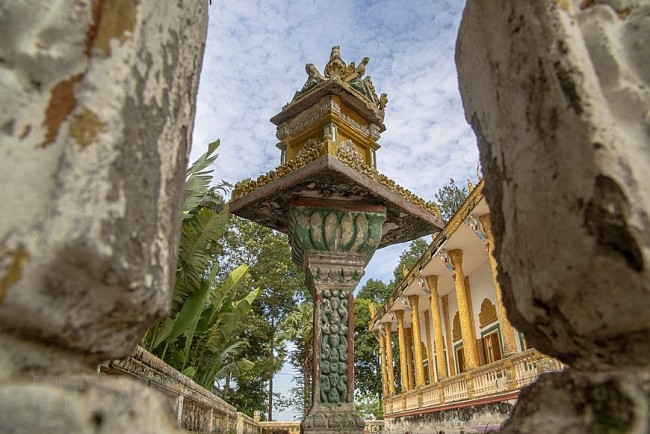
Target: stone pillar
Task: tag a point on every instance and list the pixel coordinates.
(563, 129)
(408, 334)
(382, 364)
(450, 343)
(403, 367)
(333, 241)
(389, 359)
(466, 329)
(507, 332)
(432, 283)
(98, 115)
(418, 362)
(431, 368)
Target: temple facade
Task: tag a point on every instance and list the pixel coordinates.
(449, 356)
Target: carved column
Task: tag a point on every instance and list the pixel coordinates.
(408, 334)
(333, 242)
(432, 283)
(382, 364)
(450, 343)
(467, 331)
(389, 359)
(403, 369)
(508, 333)
(429, 348)
(418, 364)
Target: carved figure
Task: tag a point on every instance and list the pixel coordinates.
(383, 101)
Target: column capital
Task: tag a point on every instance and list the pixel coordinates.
(343, 232)
(456, 257)
(432, 281)
(486, 222)
(399, 314)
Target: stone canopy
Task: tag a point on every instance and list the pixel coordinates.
(328, 177)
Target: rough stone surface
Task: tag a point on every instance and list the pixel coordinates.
(95, 126)
(573, 402)
(558, 94)
(83, 404)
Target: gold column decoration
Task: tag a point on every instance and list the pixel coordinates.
(389, 359)
(450, 345)
(429, 347)
(382, 364)
(507, 332)
(418, 362)
(402, 351)
(468, 333)
(409, 359)
(432, 283)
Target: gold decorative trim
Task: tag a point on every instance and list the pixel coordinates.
(488, 313)
(345, 155)
(455, 329)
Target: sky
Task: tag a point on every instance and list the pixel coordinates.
(255, 59)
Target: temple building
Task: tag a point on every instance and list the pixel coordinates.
(445, 341)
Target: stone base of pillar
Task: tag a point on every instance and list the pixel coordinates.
(332, 420)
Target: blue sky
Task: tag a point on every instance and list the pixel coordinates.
(255, 60)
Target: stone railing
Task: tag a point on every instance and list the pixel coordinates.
(500, 377)
(371, 426)
(194, 408)
(280, 427)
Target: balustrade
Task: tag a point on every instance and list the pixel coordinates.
(489, 379)
(522, 368)
(430, 395)
(412, 400)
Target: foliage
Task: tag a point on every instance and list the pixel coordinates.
(449, 198)
(369, 407)
(367, 376)
(375, 291)
(298, 328)
(281, 283)
(196, 337)
(407, 260)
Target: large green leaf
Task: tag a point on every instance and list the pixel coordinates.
(198, 235)
(198, 179)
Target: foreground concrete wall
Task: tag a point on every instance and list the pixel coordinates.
(95, 125)
(558, 93)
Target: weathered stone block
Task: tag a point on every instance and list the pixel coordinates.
(559, 97)
(95, 126)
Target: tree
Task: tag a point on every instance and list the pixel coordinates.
(375, 291)
(196, 337)
(367, 378)
(298, 328)
(281, 282)
(407, 260)
(449, 198)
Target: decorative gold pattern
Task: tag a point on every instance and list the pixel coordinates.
(488, 313)
(345, 154)
(455, 329)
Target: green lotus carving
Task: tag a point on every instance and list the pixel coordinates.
(332, 230)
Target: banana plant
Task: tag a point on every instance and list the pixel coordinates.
(195, 338)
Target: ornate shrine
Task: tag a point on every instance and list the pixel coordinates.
(337, 209)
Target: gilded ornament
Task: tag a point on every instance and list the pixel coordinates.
(488, 313)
